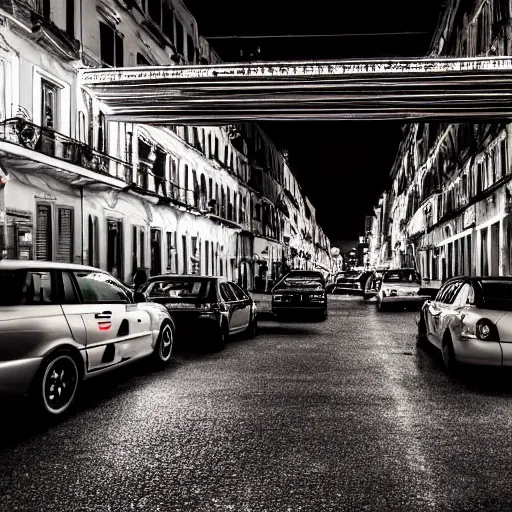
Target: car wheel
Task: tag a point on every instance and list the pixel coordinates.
(422, 330)
(164, 345)
(221, 338)
(56, 384)
(380, 306)
(252, 328)
(366, 296)
(450, 363)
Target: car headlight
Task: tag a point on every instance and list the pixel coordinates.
(385, 292)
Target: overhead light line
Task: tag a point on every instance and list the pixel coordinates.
(309, 36)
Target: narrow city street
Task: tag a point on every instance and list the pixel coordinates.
(346, 414)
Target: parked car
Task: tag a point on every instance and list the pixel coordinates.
(470, 321)
(63, 323)
(400, 286)
(352, 281)
(205, 306)
(300, 291)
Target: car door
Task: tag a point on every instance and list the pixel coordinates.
(441, 311)
(243, 305)
(115, 329)
(229, 298)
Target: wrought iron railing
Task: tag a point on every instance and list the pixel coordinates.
(51, 143)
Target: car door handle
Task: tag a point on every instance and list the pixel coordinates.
(105, 314)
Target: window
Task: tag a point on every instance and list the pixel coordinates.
(179, 288)
(115, 248)
(70, 18)
(239, 293)
(179, 37)
(226, 292)
(465, 296)
(155, 11)
(190, 49)
(185, 254)
(447, 294)
(168, 22)
(18, 287)
(142, 61)
(484, 260)
(111, 46)
(170, 248)
(93, 252)
(68, 288)
(503, 158)
(49, 105)
(43, 232)
(65, 235)
(97, 287)
(207, 258)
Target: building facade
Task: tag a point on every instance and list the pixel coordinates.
(447, 212)
(76, 187)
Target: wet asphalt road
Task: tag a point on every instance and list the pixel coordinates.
(342, 415)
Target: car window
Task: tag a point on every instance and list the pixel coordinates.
(226, 293)
(70, 295)
(21, 287)
(176, 288)
(100, 287)
(239, 293)
(464, 296)
(449, 294)
(402, 276)
(497, 294)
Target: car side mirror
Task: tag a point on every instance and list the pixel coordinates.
(139, 297)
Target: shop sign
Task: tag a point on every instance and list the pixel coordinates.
(45, 196)
(469, 218)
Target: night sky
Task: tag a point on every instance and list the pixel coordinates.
(342, 166)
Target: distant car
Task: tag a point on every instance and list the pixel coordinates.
(63, 323)
(212, 307)
(351, 281)
(470, 321)
(400, 286)
(300, 291)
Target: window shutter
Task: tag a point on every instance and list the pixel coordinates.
(43, 232)
(65, 235)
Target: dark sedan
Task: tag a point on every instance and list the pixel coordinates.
(352, 281)
(300, 291)
(212, 307)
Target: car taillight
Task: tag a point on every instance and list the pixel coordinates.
(486, 330)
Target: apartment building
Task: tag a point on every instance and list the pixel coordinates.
(76, 187)
(447, 212)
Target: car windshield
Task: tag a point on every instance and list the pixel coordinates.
(302, 280)
(401, 276)
(177, 289)
(497, 295)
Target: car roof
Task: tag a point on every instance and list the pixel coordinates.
(186, 276)
(38, 264)
(479, 278)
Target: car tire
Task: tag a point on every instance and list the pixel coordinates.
(422, 331)
(366, 296)
(56, 384)
(448, 354)
(164, 347)
(322, 316)
(252, 328)
(380, 306)
(221, 338)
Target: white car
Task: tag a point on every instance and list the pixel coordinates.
(470, 321)
(62, 323)
(400, 286)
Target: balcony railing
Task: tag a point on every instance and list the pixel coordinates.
(51, 143)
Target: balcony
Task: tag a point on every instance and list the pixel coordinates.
(65, 157)
(35, 139)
